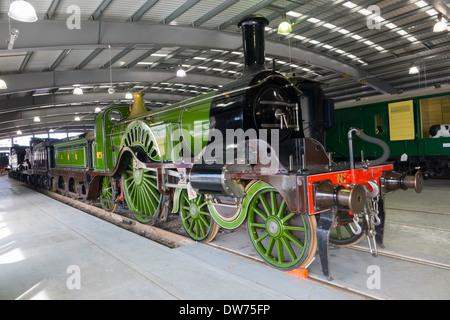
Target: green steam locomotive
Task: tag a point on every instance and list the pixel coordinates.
(239, 154)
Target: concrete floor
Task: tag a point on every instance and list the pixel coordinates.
(48, 248)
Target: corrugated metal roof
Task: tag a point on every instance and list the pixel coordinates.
(333, 29)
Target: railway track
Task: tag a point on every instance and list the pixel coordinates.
(173, 226)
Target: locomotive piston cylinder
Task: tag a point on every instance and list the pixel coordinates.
(391, 181)
(327, 195)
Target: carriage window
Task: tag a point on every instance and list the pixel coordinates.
(434, 112)
(379, 124)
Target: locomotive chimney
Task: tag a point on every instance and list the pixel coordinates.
(253, 42)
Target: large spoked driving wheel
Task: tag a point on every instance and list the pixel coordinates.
(141, 192)
(107, 194)
(283, 238)
(196, 219)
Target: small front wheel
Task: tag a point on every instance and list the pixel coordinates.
(196, 218)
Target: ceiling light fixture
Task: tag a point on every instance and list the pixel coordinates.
(37, 119)
(441, 25)
(97, 110)
(77, 118)
(414, 69)
(181, 73)
(14, 34)
(22, 11)
(19, 132)
(111, 90)
(285, 26)
(78, 91)
(129, 96)
(3, 85)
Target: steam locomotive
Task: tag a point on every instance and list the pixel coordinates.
(222, 158)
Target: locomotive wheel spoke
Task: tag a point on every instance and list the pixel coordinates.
(107, 194)
(281, 237)
(141, 193)
(196, 219)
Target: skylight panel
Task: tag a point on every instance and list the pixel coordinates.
(349, 4)
(365, 12)
(421, 4)
(294, 14)
(313, 20)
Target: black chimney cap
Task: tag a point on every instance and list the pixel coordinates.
(253, 19)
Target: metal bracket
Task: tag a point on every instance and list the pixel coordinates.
(379, 228)
(323, 236)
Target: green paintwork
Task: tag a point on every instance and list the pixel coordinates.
(106, 122)
(141, 192)
(363, 117)
(71, 154)
(281, 237)
(195, 217)
(107, 194)
(185, 121)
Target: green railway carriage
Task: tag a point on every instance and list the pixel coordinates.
(403, 121)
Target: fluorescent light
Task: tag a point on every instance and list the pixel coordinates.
(97, 110)
(379, 48)
(19, 132)
(356, 37)
(412, 39)
(368, 42)
(402, 32)
(314, 41)
(349, 4)
(199, 58)
(51, 130)
(327, 46)
(329, 26)
(159, 55)
(344, 31)
(3, 85)
(21, 10)
(37, 119)
(77, 118)
(145, 63)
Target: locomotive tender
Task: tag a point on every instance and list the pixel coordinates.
(172, 160)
